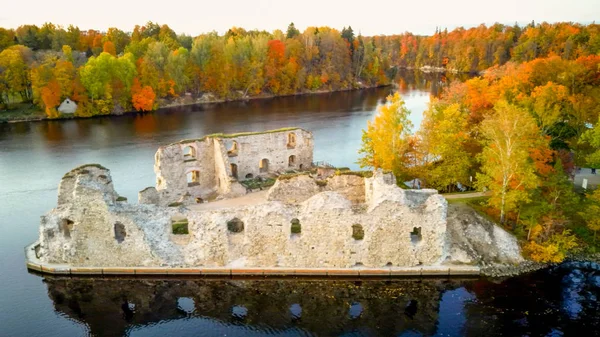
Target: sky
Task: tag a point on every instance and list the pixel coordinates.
(367, 17)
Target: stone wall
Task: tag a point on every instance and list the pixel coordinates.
(399, 230)
(274, 147)
(211, 167)
(83, 229)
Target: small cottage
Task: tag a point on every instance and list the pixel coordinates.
(67, 107)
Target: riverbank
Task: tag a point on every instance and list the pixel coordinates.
(28, 112)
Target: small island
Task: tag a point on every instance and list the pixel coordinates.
(256, 204)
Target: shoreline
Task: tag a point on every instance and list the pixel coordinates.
(173, 104)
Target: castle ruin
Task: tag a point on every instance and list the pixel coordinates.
(309, 218)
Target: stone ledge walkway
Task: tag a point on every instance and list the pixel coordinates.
(36, 265)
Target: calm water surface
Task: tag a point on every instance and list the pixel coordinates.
(34, 157)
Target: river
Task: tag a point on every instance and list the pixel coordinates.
(34, 157)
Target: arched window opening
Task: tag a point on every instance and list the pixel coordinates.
(189, 152)
(292, 161)
(291, 140)
(180, 226)
(233, 150)
(264, 165)
(66, 226)
(301, 166)
(234, 171)
(296, 228)
(120, 232)
(193, 178)
(358, 232)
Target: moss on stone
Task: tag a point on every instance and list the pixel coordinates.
(81, 169)
(363, 174)
(321, 183)
(121, 198)
(175, 204)
(234, 135)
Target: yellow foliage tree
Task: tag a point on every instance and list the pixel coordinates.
(592, 212)
(554, 250)
(385, 142)
(443, 160)
(507, 169)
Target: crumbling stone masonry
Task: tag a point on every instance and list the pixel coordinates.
(197, 170)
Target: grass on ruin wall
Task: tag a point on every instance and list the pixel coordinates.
(80, 169)
(234, 135)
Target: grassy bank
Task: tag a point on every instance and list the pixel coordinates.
(21, 112)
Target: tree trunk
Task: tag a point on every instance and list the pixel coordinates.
(502, 208)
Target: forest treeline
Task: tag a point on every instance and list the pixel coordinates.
(517, 132)
(116, 71)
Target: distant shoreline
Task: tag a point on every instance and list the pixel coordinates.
(174, 104)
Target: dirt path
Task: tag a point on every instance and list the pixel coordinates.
(464, 195)
(586, 173)
(250, 199)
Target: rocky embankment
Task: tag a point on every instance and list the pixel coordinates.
(473, 239)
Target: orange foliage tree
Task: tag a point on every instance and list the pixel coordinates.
(109, 47)
(51, 98)
(142, 97)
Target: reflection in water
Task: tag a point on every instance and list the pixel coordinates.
(531, 305)
(114, 307)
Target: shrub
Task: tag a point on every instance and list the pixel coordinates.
(175, 204)
(289, 176)
(321, 183)
(364, 174)
(235, 225)
(120, 198)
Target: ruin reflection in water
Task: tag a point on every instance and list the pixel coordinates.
(552, 302)
(115, 307)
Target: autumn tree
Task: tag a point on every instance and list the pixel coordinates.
(385, 142)
(444, 160)
(51, 98)
(591, 212)
(7, 38)
(109, 47)
(592, 138)
(507, 170)
(14, 72)
(142, 97)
